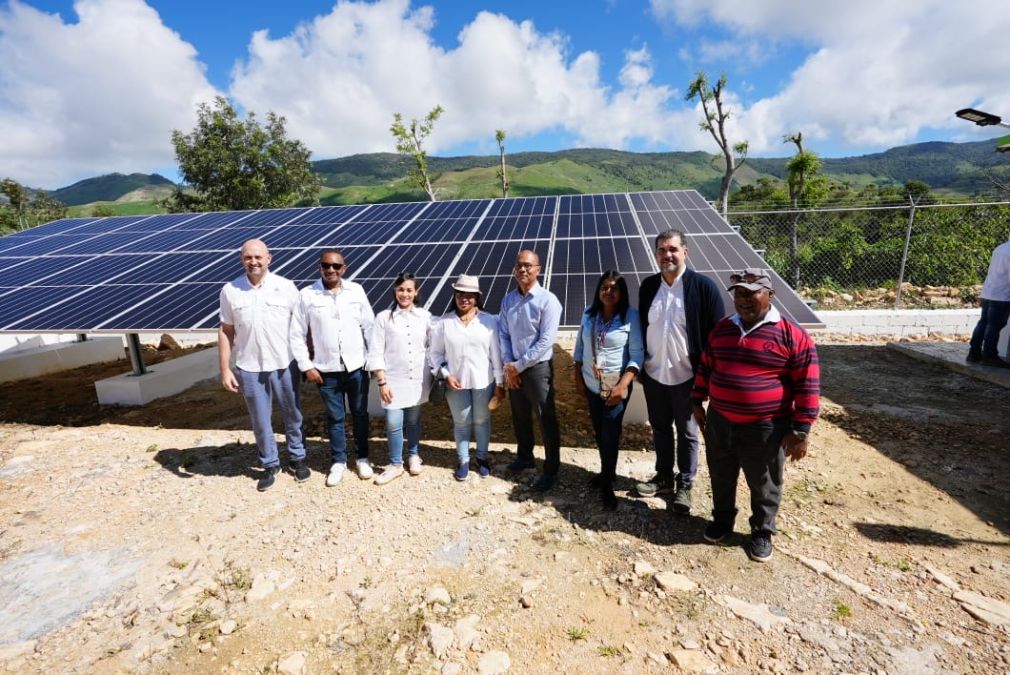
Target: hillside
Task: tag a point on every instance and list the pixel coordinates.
(111, 187)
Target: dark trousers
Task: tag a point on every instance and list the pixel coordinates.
(670, 406)
(353, 385)
(985, 337)
(535, 398)
(607, 425)
(755, 448)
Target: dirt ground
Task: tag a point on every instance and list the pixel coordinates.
(133, 540)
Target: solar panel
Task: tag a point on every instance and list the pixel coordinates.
(164, 272)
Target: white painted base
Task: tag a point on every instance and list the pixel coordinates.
(164, 379)
(23, 364)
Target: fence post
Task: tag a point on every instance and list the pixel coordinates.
(904, 254)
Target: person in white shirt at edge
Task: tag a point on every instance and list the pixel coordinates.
(464, 348)
(397, 357)
(334, 317)
(256, 311)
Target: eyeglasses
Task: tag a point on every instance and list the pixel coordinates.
(336, 267)
(526, 266)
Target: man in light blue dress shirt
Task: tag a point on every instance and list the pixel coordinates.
(527, 329)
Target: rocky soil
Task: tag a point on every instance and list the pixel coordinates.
(134, 541)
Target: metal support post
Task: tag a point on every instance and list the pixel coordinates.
(904, 254)
(136, 356)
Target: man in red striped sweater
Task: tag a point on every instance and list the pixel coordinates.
(761, 377)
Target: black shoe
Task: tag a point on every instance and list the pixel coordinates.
(483, 468)
(759, 549)
(995, 362)
(716, 532)
(682, 500)
(973, 357)
(520, 464)
(544, 483)
(658, 484)
(608, 498)
(268, 478)
(596, 481)
(301, 470)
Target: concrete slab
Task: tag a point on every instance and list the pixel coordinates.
(161, 380)
(23, 364)
(952, 355)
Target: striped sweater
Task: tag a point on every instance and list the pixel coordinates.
(770, 373)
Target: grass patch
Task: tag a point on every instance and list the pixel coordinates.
(609, 651)
(576, 633)
(842, 611)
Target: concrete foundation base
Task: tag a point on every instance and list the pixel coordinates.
(24, 364)
(164, 379)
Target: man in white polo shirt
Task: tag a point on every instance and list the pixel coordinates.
(334, 316)
(256, 310)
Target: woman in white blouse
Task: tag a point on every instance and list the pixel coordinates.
(464, 348)
(397, 354)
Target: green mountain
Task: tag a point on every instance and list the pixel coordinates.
(110, 187)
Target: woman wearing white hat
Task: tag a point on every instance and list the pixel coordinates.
(464, 348)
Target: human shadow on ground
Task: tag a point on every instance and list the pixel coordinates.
(918, 536)
(944, 427)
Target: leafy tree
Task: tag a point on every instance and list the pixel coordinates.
(806, 187)
(102, 211)
(410, 141)
(235, 164)
(499, 135)
(716, 113)
(22, 211)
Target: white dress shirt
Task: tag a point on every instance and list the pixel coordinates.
(470, 351)
(667, 359)
(261, 316)
(997, 281)
(398, 346)
(339, 322)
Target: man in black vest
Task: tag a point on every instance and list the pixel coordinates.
(678, 309)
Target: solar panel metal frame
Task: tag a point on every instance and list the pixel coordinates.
(74, 268)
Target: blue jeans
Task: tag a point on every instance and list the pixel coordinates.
(470, 412)
(669, 406)
(259, 389)
(353, 385)
(399, 420)
(607, 424)
(985, 337)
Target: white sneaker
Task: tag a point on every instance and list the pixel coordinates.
(392, 472)
(414, 464)
(336, 473)
(365, 469)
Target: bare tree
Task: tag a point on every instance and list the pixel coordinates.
(716, 114)
(410, 141)
(499, 135)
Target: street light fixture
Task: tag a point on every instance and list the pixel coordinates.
(984, 119)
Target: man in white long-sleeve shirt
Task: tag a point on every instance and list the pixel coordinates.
(334, 318)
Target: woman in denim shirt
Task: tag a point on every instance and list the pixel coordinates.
(608, 355)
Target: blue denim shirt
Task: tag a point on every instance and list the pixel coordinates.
(528, 326)
(622, 346)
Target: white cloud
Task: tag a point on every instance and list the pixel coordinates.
(340, 77)
(99, 95)
(878, 73)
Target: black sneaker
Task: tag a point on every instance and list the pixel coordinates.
(268, 478)
(596, 481)
(716, 532)
(520, 464)
(300, 469)
(682, 500)
(658, 484)
(544, 483)
(608, 498)
(995, 362)
(759, 549)
(973, 357)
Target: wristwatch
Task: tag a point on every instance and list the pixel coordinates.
(800, 435)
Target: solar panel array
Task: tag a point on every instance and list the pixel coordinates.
(164, 272)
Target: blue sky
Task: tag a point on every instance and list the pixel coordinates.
(94, 86)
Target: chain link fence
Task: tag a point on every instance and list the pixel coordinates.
(910, 255)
